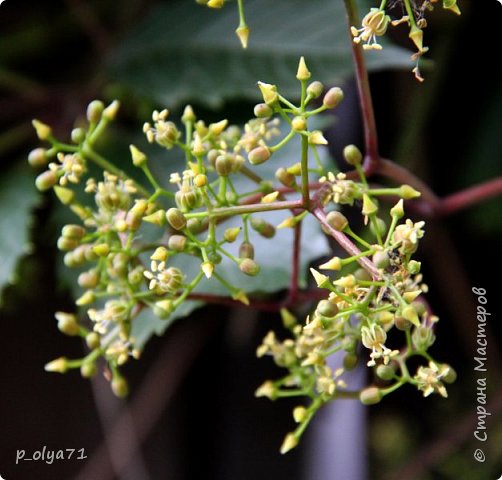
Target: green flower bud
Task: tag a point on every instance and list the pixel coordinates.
(362, 274)
(350, 361)
(246, 250)
(135, 276)
(381, 259)
(86, 299)
(352, 155)
(78, 135)
(138, 157)
(397, 210)
(242, 33)
(288, 319)
(119, 386)
(176, 219)
(451, 5)
(66, 244)
(46, 180)
(300, 414)
(157, 218)
(101, 249)
(269, 93)
(379, 225)
(369, 206)
(402, 323)
(197, 225)
(95, 110)
(231, 234)
(327, 308)
(88, 370)
(333, 97)
(43, 130)
(177, 243)
(73, 231)
(60, 365)
(264, 228)
(315, 89)
(262, 110)
(223, 165)
(65, 195)
(316, 138)
(417, 36)
(110, 112)
(67, 323)
(188, 115)
(258, 155)
(407, 192)
(413, 267)
(249, 267)
(163, 309)
(92, 340)
(370, 396)
(298, 124)
(38, 158)
(349, 345)
(337, 220)
(290, 442)
(385, 372)
(410, 314)
(450, 376)
(303, 73)
(135, 214)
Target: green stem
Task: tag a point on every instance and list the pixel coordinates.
(305, 173)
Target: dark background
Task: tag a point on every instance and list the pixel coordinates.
(192, 414)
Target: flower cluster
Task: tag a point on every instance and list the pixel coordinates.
(376, 21)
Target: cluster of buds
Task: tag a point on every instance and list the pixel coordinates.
(376, 22)
(373, 292)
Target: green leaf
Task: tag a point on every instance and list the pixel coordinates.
(17, 198)
(184, 51)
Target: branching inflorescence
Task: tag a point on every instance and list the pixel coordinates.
(371, 306)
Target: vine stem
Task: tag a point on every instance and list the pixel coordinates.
(363, 87)
(346, 244)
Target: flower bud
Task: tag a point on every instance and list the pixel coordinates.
(249, 267)
(138, 157)
(410, 314)
(67, 323)
(259, 155)
(88, 370)
(176, 219)
(65, 195)
(369, 206)
(188, 115)
(298, 124)
(333, 264)
(177, 243)
(46, 180)
(66, 244)
(38, 158)
(337, 220)
(288, 319)
(230, 234)
(423, 337)
(92, 340)
(316, 138)
(385, 372)
(300, 414)
(163, 308)
(397, 210)
(73, 231)
(332, 97)
(350, 361)
(242, 33)
(450, 376)
(362, 274)
(290, 442)
(407, 192)
(110, 112)
(285, 177)
(352, 155)
(264, 228)
(370, 396)
(269, 93)
(88, 280)
(321, 280)
(246, 250)
(60, 365)
(86, 299)
(303, 73)
(379, 226)
(223, 165)
(417, 36)
(381, 259)
(101, 249)
(401, 323)
(314, 89)
(413, 267)
(157, 218)
(327, 308)
(43, 131)
(215, 3)
(95, 110)
(262, 110)
(135, 214)
(451, 5)
(78, 135)
(119, 386)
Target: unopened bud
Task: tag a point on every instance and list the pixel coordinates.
(259, 155)
(231, 234)
(92, 340)
(65, 195)
(262, 110)
(246, 250)
(177, 243)
(315, 89)
(95, 110)
(303, 73)
(119, 386)
(300, 414)
(101, 249)
(264, 228)
(290, 442)
(350, 361)
(77, 135)
(269, 93)
(298, 124)
(60, 365)
(316, 138)
(188, 115)
(370, 396)
(407, 192)
(138, 157)
(352, 155)
(337, 220)
(398, 209)
(110, 112)
(385, 372)
(88, 370)
(249, 267)
(38, 158)
(333, 97)
(67, 323)
(43, 131)
(242, 33)
(369, 206)
(176, 218)
(46, 180)
(285, 177)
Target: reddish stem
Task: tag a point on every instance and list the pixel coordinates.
(470, 196)
(295, 265)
